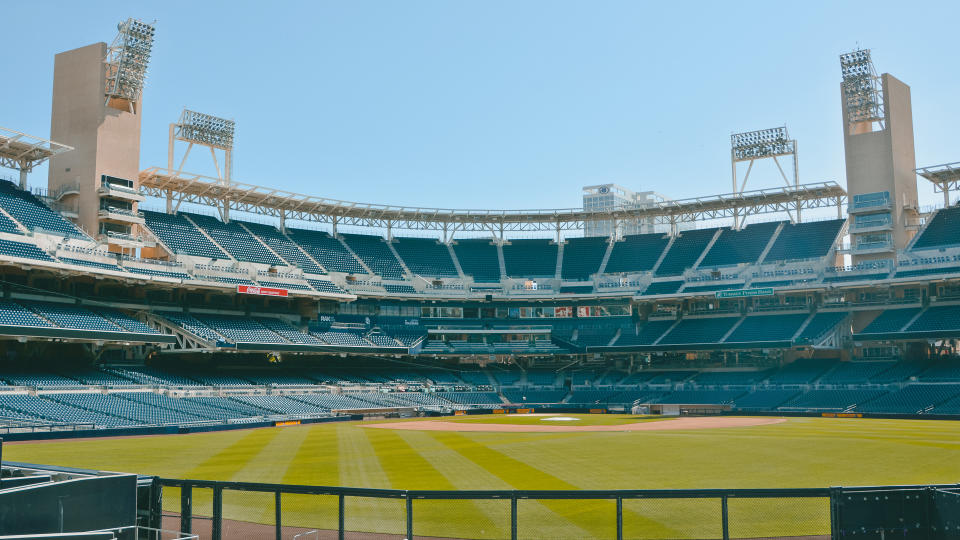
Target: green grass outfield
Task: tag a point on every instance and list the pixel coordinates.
(802, 452)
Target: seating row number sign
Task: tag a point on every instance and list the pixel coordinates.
(261, 291)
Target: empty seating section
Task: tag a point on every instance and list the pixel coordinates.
(646, 335)
(473, 398)
(194, 326)
(801, 371)
(13, 314)
(636, 253)
(942, 371)
(376, 254)
(940, 231)
(912, 399)
(478, 258)
(51, 410)
(703, 330)
(890, 320)
(829, 400)
(240, 329)
(530, 258)
(701, 397)
(289, 285)
(763, 400)
(582, 257)
(760, 328)
(155, 272)
(22, 250)
(737, 247)
(811, 240)
(380, 339)
(91, 264)
(180, 236)
(124, 320)
(843, 278)
(729, 378)
(534, 396)
(325, 286)
(937, 318)
(820, 324)
(342, 338)
(326, 250)
(399, 289)
(662, 287)
(32, 213)
(426, 257)
(288, 332)
(74, 317)
(235, 239)
(855, 372)
(686, 249)
(711, 288)
(279, 243)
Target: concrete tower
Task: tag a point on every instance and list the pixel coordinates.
(880, 161)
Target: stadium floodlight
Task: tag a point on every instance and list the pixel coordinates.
(762, 143)
(862, 93)
(127, 60)
(205, 129)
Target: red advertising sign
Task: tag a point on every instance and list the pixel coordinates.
(262, 291)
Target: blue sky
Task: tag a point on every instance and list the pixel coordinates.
(501, 104)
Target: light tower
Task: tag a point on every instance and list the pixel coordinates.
(880, 161)
(751, 146)
(97, 101)
(206, 130)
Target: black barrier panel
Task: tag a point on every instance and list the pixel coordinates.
(82, 504)
(945, 515)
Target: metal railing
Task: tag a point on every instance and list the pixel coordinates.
(283, 510)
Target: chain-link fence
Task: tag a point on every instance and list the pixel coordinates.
(247, 510)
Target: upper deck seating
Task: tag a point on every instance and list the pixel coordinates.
(32, 213)
(737, 247)
(193, 325)
(821, 323)
(662, 287)
(327, 250)
(530, 258)
(582, 257)
(13, 314)
(74, 317)
(937, 319)
(288, 332)
(699, 331)
(645, 335)
(325, 286)
(636, 253)
(23, 250)
(686, 249)
(236, 240)
(426, 257)
(478, 258)
(284, 247)
(941, 231)
(811, 240)
(376, 254)
(240, 329)
(761, 328)
(181, 236)
(890, 320)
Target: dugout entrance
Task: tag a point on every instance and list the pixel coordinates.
(682, 409)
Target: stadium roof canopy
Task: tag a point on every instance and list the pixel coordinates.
(24, 152)
(945, 178)
(177, 187)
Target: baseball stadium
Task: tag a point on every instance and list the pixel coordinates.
(195, 356)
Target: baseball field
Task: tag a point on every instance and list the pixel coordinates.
(537, 452)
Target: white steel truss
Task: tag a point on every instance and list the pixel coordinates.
(177, 188)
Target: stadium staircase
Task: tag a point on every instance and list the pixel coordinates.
(456, 261)
(558, 273)
(606, 257)
(207, 235)
(403, 264)
(500, 259)
(354, 255)
(19, 225)
(707, 249)
(667, 332)
(304, 252)
(732, 330)
(663, 255)
(265, 245)
(773, 240)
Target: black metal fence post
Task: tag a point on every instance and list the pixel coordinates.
(513, 517)
(186, 509)
(277, 513)
(340, 519)
(409, 517)
(156, 504)
(619, 518)
(725, 517)
(217, 527)
(835, 503)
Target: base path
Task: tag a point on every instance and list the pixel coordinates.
(686, 422)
